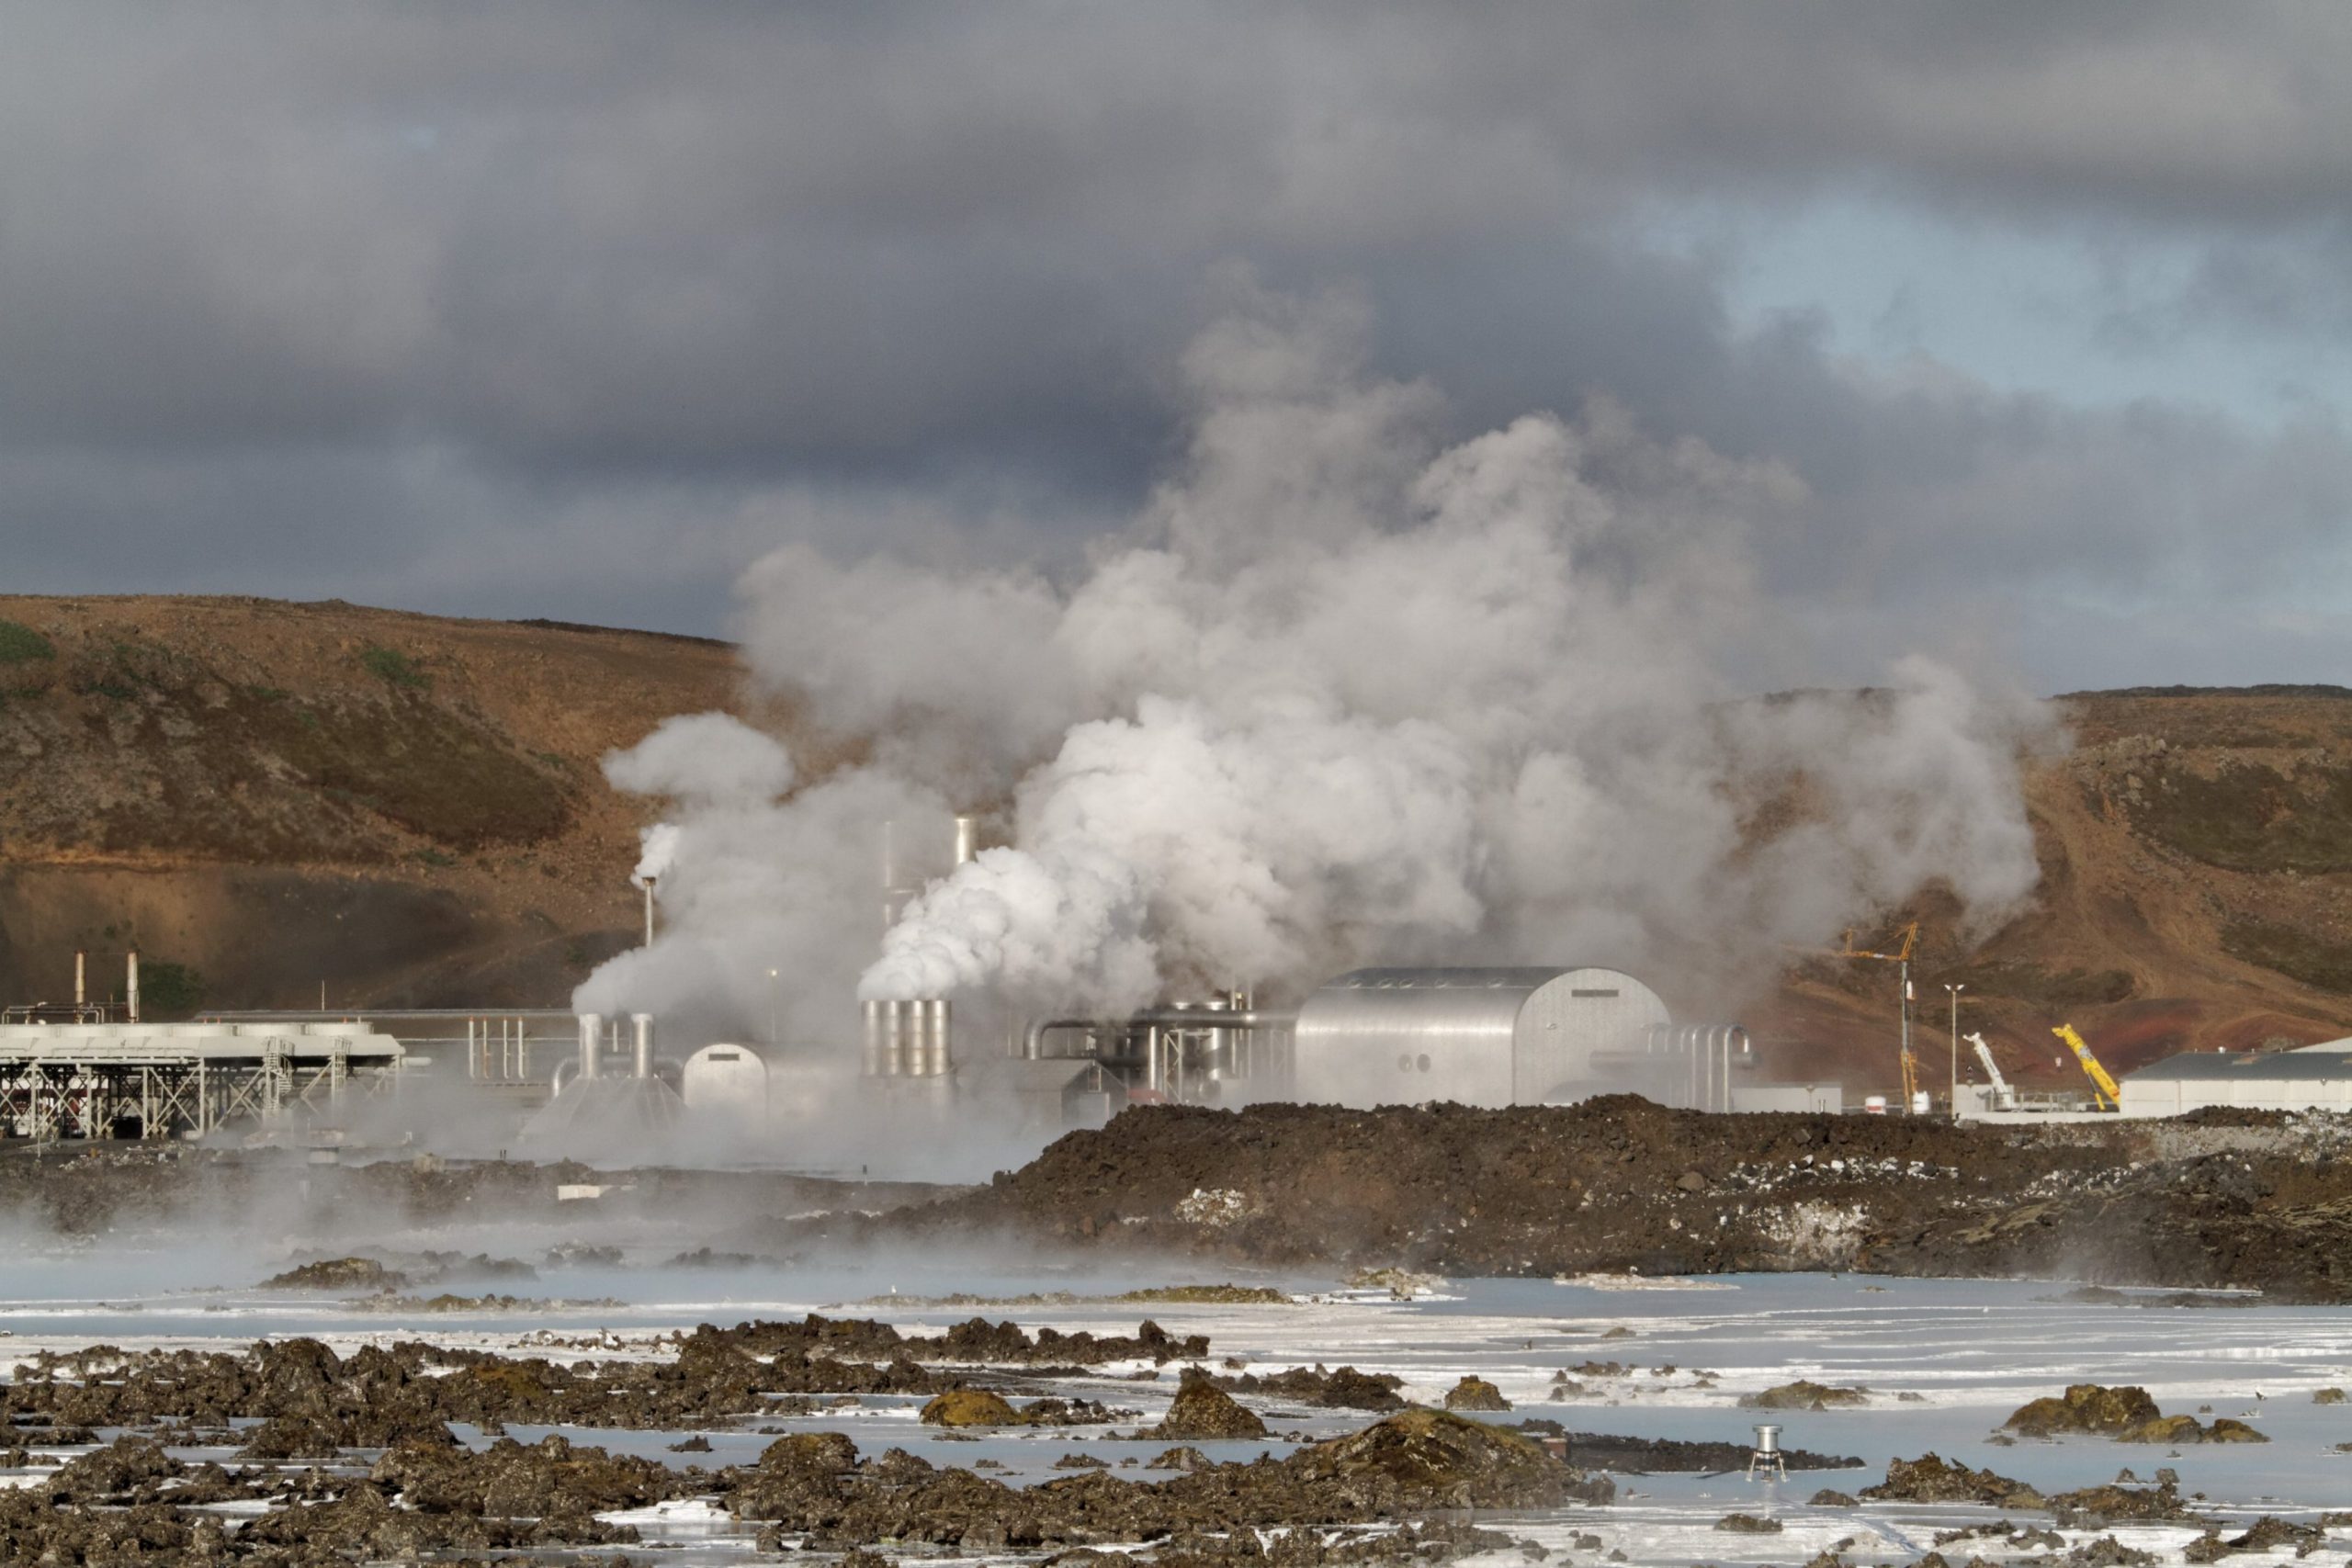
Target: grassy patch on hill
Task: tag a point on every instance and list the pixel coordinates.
(433, 772)
(2292, 952)
(20, 644)
(2252, 817)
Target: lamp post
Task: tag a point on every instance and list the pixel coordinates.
(1955, 991)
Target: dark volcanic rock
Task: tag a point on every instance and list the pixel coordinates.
(1204, 1410)
(337, 1274)
(1346, 1389)
(2125, 1413)
(1932, 1479)
(1475, 1394)
(2085, 1407)
(1804, 1396)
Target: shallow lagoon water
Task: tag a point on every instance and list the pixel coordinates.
(1945, 1362)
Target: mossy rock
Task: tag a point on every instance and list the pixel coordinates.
(970, 1407)
(1475, 1394)
(1204, 1410)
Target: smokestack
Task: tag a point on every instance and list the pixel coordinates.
(648, 910)
(934, 1038)
(967, 830)
(130, 986)
(592, 1044)
(644, 1023)
(81, 982)
(870, 1057)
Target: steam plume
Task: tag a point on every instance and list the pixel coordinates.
(1345, 691)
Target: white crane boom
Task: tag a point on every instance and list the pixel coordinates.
(2003, 1095)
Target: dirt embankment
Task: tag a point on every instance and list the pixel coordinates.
(1619, 1184)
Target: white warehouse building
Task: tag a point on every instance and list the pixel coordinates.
(2316, 1078)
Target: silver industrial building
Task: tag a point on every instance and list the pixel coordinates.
(2316, 1078)
(1487, 1037)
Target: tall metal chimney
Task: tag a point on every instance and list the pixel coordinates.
(644, 1063)
(592, 1044)
(130, 986)
(80, 981)
(648, 910)
(935, 1037)
(967, 832)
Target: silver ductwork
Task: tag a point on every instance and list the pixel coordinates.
(643, 1065)
(592, 1044)
(907, 1040)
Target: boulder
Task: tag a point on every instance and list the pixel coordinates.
(969, 1407)
(1475, 1394)
(1204, 1410)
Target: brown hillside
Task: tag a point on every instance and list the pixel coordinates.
(2196, 849)
(405, 806)
(411, 809)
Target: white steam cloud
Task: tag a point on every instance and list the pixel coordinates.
(1346, 692)
(657, 849)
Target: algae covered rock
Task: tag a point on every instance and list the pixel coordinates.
(1434, 1459)
(1475, 1394)
(1803, 1394)
(2086, 1408)
(1933, 1479)
(1204, 1410)
(337, 1274)
(2125, 1413)
(969, 1407)
(2225, 1430)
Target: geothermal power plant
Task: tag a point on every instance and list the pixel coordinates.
(1479, 1036)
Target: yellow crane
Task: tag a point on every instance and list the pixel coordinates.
(1901, 957)
(2103, 1090)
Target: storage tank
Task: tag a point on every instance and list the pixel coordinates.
(1491, 1037)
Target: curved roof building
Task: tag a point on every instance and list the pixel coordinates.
(1485, 1037)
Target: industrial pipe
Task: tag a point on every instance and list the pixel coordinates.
(1032, 1041)
(81, 987)
(644, 1063)
(131, 987)
(592, 1044)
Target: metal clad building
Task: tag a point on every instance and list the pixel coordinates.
(1485, 1037)
(2310, 1078)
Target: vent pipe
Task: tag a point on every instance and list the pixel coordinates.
(130, 986)
(80, 979)
(968, 833)
(644, 1023)
(592, 1044)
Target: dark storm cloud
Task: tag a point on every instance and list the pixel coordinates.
(571, 309)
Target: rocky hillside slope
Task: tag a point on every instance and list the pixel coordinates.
(264, 795)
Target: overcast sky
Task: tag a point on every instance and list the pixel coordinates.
(574, 309)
